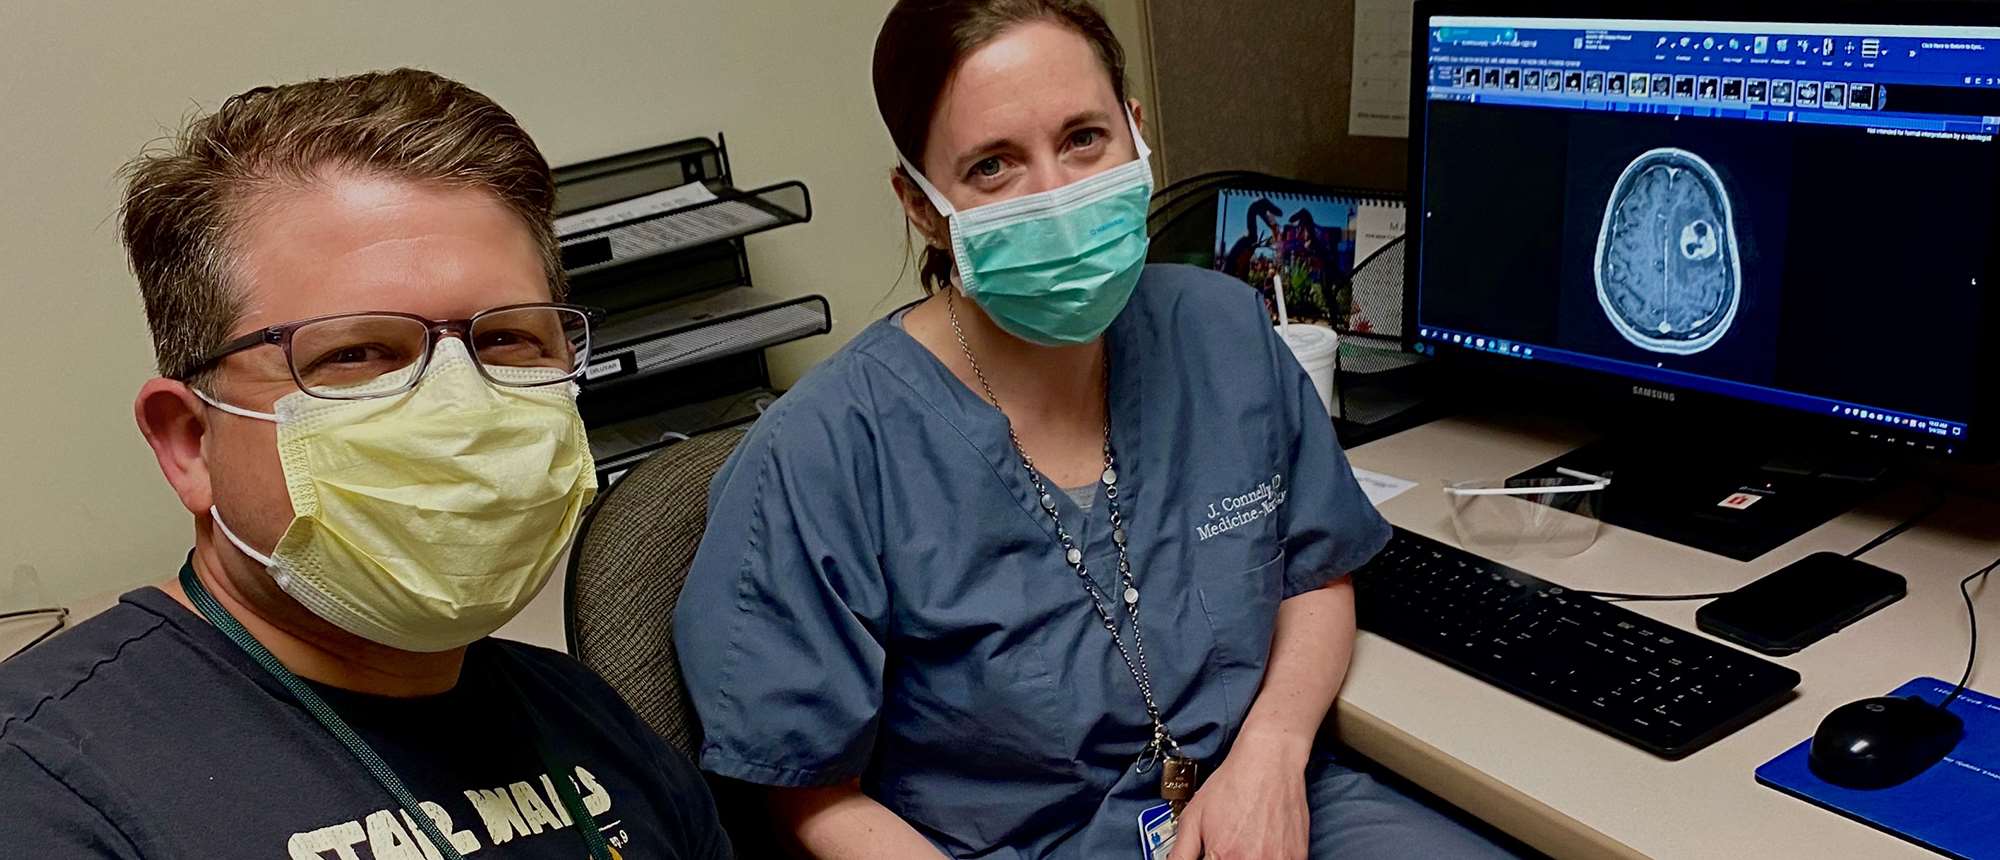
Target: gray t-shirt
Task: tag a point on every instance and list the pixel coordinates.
(145, 733)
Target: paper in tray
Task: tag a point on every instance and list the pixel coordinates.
(688, 229)
(677, 219)
(679, 197)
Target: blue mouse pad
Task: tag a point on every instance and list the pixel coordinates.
(1953, 808)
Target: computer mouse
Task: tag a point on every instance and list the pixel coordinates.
(1880, 742)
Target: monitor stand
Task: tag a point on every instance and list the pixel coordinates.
(1735, 502)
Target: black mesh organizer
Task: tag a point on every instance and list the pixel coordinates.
(1379, 384)
(656, 237)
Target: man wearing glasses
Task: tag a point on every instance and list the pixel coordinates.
(367, 403)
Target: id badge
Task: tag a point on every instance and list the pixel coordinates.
(1156, 832)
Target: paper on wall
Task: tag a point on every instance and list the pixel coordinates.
(1378, 103)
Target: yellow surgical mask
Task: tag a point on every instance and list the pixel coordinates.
(426, 520)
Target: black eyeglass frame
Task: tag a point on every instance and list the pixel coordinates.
(281, 336)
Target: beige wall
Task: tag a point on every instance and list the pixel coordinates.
(1258, 97)
(84, 86)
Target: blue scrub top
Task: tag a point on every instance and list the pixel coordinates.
(880, 596)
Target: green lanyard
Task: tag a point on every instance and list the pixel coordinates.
(593, 839)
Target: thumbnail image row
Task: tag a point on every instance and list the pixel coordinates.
(1640, 85)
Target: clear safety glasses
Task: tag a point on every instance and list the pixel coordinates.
(1528, 516)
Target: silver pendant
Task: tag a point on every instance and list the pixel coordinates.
(1131, 596)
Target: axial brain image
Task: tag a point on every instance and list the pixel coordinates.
(1667, 271)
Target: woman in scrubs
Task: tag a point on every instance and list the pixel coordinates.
(1063, 543)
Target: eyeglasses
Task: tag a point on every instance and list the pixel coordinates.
(360, 356)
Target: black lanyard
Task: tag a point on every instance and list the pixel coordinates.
(593, 839)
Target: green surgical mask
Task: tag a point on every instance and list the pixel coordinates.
(1055, 268)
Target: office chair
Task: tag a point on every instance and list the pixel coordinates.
(632, 557)
(625, 576)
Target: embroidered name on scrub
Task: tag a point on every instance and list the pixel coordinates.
(1233, 512)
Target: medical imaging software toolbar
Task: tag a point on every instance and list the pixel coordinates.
(1886, 76)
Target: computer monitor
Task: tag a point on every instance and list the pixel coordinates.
(1767, 211)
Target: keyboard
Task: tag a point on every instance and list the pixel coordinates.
(1662, 689)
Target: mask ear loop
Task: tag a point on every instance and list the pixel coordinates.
(1138, 140)
(256, 556)
(234, 410)
(239, 543)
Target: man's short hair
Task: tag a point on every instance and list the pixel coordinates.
(185, 200)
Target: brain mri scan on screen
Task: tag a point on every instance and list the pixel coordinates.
(1667, 267)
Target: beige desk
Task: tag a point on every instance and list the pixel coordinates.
(1573, 792)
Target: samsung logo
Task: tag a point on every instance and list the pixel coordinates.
(1653, 393)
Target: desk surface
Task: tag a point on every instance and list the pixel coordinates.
(1573, 792)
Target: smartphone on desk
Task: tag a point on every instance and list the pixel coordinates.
(1803, 603)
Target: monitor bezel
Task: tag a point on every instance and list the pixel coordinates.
(1625, 399)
